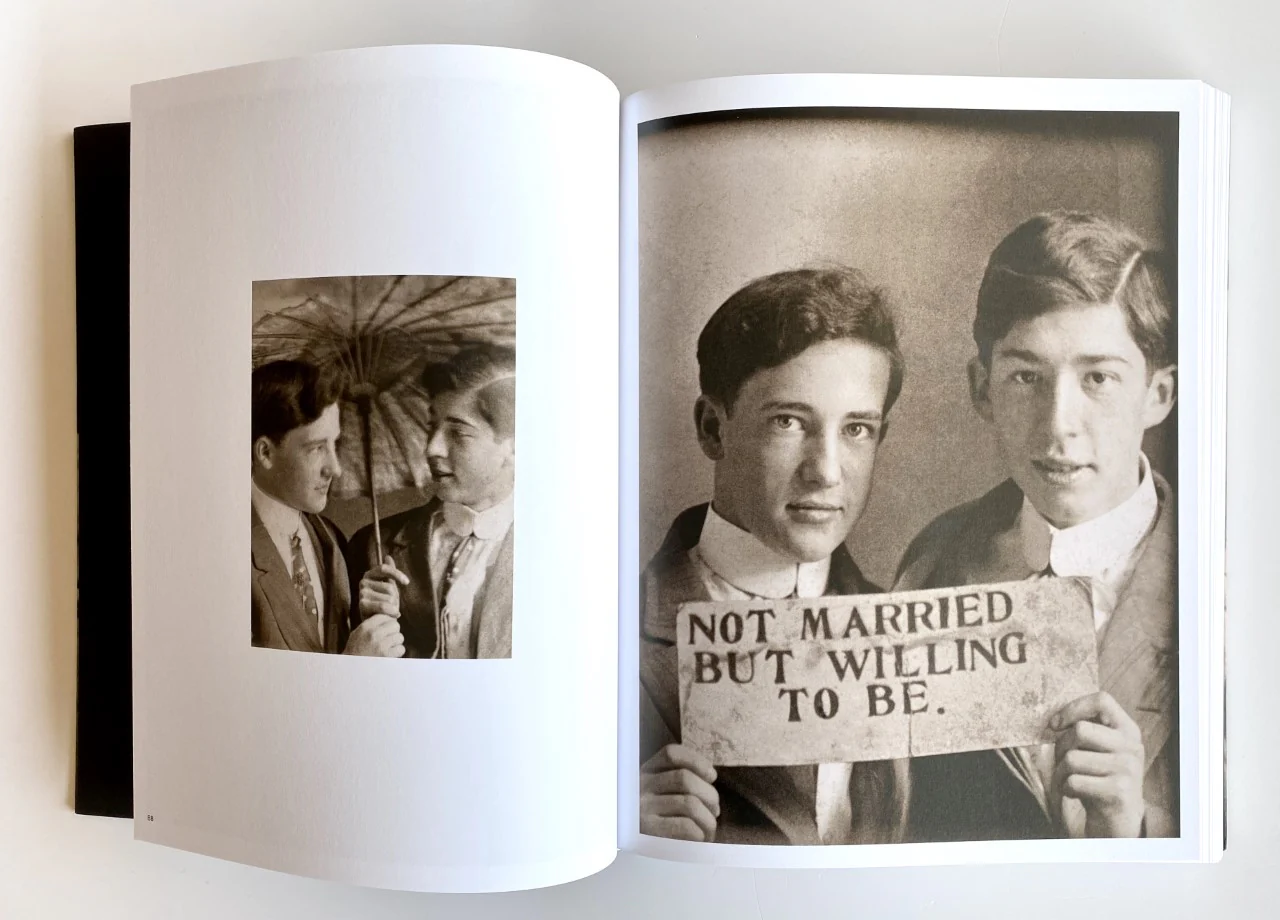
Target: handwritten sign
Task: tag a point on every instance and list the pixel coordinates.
(875, 676)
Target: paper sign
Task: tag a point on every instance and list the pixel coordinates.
(876, 676)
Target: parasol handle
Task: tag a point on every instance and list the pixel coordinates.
(366, 429)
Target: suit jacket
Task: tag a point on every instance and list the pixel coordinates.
(976, 796)
(405, 538)
(762, 805)
(279, 620)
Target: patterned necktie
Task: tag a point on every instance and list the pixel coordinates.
(302, 582)
(457, 562)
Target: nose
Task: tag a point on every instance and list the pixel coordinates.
(1063, 413)
(435, 444)
(333, 466)
(821, 466)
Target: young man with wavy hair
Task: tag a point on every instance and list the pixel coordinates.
(798, 371)
(1076, 346)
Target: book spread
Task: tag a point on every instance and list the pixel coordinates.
(819, 471)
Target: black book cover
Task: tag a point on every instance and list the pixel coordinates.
(104, 714)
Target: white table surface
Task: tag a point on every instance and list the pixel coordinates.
(69, 62)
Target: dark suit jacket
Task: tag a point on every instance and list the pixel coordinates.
(762, 805)
(279, 619)
(975, 796)
(405, 539)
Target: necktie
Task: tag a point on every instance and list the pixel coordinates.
(302, 582)
(457, 563)
(457, 560)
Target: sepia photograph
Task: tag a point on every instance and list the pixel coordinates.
(383, 465)
(907, 462)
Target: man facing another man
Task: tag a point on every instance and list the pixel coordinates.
(300, 591)
(449, 564)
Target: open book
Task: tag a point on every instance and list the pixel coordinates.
(785, 480)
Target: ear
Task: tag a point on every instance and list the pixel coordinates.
(1162, 393)
(980, 388)
(709, 417)
(263, 452)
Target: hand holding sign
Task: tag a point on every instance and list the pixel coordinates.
(677, 798)
(1099, 761)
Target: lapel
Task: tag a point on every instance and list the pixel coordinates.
(785, 795)
(1137, 660)
(1137, 655)
(337, 589)
(279, 597)
(491, 625)
(409, 544)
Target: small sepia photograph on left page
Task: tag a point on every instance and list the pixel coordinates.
(383, 465)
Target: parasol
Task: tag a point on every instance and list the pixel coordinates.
(377, 333)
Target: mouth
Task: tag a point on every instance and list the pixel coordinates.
(812, 512)
(1061, 472)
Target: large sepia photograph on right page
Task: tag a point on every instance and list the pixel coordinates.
(908, 466)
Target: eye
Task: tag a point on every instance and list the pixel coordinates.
(1025, 377)
(860, 431)
(1098, 379)
(786, 422)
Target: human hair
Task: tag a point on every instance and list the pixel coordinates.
(1063, 258)
(486, 370)
(770, 320)
(290, 394)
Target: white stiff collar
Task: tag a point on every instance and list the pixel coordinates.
(747, 564)
(1098, 547)
(282, 521)
(490, 524)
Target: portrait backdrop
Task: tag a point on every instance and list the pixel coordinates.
(915, 199)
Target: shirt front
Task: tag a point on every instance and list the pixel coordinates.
(282, 523)
(1104, 550)
(734, 565)
(482, 532)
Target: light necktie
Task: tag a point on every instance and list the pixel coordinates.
(458, 560)
(302, 582)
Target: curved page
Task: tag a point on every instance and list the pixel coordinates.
(364, 284)
(821, 272)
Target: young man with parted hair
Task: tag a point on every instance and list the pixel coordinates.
(300, 592)
(1076, 361)
(798, 371)
(449, 564)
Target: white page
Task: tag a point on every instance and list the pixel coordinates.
(422, 774)
(1201, 287)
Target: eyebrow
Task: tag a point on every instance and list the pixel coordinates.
(1019, 354)
(1102, 359)
(869, 415)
